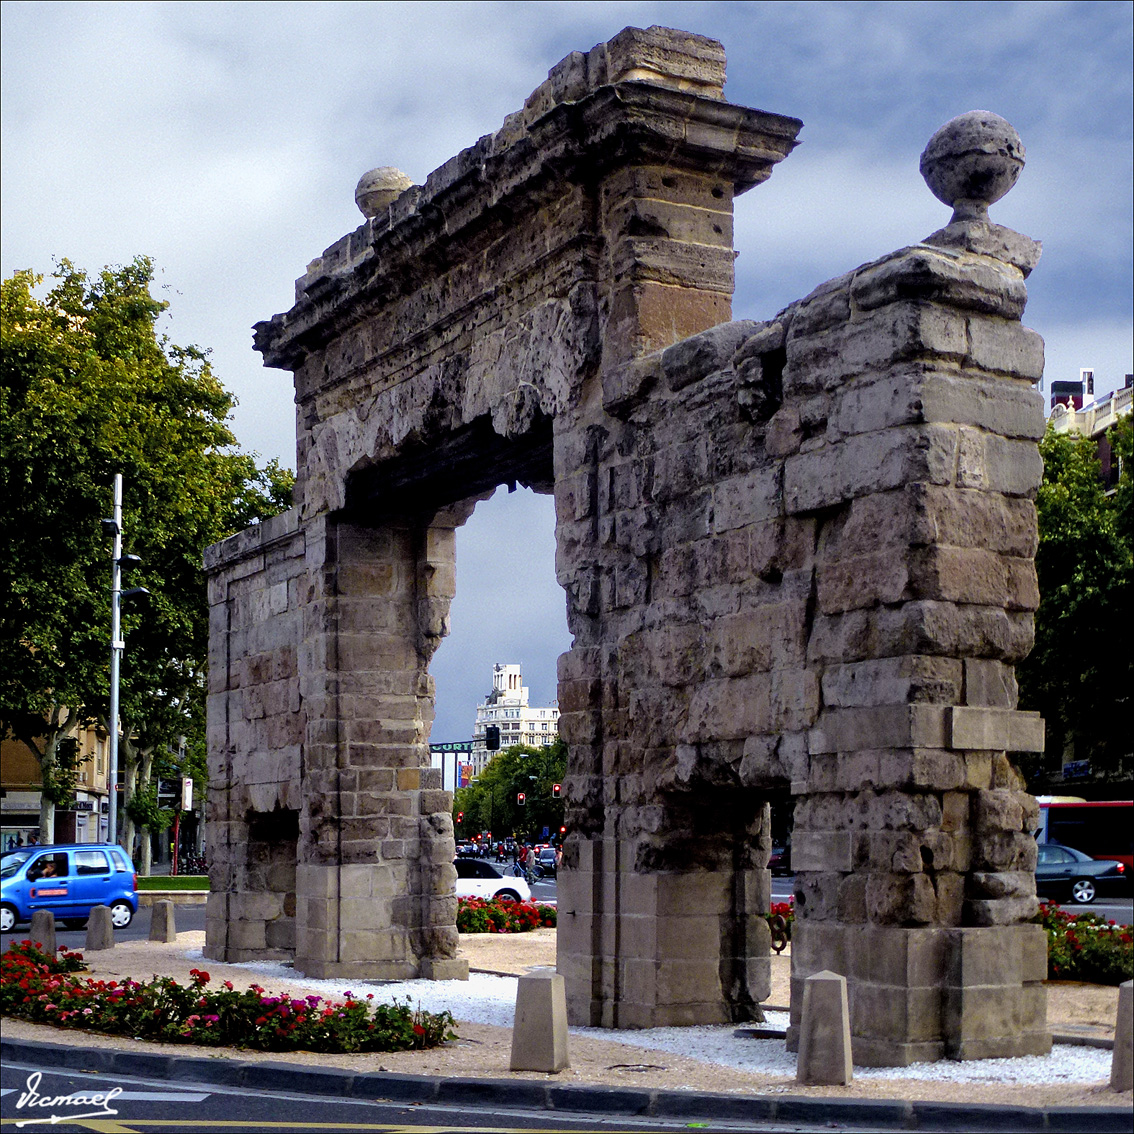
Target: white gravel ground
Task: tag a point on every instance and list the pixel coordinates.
(487, 999)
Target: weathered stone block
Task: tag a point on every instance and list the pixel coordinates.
(42, 931)
(100, 932)
(996, 729)
(825, 1041)
(1122, 1062)
(881, 726)
(1003, 346)
(979, 284)
(867, 463)
(821, 850)
(997, 464)
(162, 923)
(895, 333)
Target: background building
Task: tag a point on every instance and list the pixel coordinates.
(1094, 419)
(507, 709)
(83, 822)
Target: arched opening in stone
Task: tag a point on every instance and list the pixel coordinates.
(508, 607)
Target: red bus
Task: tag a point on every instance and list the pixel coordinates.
(1100, 828)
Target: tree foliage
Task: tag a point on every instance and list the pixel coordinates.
(88, 388)
(489, 802)
(1079, 675)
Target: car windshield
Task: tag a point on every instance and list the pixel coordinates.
(12, 861)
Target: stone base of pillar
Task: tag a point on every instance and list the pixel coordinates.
(248, 926)
(445, 968)
(926, 994)
(661, 949)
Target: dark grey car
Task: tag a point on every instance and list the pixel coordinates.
(1062, 872)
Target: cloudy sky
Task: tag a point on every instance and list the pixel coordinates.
(225, 140)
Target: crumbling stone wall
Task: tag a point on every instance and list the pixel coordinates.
(810, 550)
(795, 554)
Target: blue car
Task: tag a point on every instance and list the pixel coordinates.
(67, 879)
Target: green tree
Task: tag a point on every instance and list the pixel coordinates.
(88, 388)
(1078, 674)
(489, 802)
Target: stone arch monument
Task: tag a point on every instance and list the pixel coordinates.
(796, 553)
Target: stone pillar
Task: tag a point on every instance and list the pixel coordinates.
(642, 949)
(257, 583)
(375, 877)
(668, 234)
(912, 842)
(163, 923)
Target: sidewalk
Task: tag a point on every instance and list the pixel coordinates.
(720, 1073)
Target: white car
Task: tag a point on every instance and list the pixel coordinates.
(479, 879)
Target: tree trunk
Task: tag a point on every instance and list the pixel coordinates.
(46, 819)
(128, 767)
(60, 721)
(145, 768)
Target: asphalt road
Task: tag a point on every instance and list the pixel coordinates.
(186, 918)
(141, 1106)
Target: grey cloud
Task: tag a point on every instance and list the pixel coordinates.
(225, 140)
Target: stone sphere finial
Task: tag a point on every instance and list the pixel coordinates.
(972, 161)
(378, 188)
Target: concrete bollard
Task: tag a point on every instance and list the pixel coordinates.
(539, 1031)
(100, 930)
(1122, 1062)
(824, 1032)
(162, 922)
(43, 930)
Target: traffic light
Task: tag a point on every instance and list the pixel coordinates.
(492, 738)
(556, 790)
(562, 830)
(521, 799)
(460, 816)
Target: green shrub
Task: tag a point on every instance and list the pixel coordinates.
(1083, 946)
(34, 987)
(475, 915)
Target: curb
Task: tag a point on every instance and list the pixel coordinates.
(1100, 1042)
(177, 897)
(873, 1114)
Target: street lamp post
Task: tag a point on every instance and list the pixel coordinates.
(113, 527)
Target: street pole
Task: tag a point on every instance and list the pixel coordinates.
(114, 527)
(117, 645)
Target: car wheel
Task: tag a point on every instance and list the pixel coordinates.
(74, 922)
(121, 915)
(1083, 890)
(7, 918)
(507, 896)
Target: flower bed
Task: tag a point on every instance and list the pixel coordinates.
(1084, 946)
(475, 915)
(36, 987)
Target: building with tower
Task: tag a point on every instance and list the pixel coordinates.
(506, 710)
